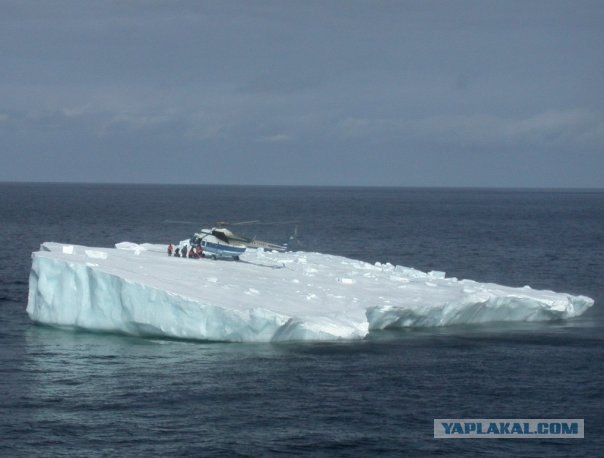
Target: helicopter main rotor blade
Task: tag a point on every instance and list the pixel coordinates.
(238, 223)
(269, 223)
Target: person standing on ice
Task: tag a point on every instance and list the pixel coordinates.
(199, 251)
(177, 253)
(170, 248)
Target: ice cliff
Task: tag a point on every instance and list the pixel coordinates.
(267, 296)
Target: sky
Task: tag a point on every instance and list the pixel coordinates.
(301, 92)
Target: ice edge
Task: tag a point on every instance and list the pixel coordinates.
(82, 287)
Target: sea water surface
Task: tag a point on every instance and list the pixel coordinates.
(65, 393)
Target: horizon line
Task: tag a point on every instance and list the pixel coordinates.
(377, 186)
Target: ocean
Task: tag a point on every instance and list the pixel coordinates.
(67, 393)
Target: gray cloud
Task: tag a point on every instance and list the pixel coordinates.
(339, 92)
(551, 129)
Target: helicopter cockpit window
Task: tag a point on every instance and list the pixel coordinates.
(220, 236)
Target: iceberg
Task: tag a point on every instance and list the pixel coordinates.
(138, 289)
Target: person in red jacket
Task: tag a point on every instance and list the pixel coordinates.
(170, 248)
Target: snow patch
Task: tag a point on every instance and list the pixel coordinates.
(94, 254)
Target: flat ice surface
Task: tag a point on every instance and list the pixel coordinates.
(267, 296)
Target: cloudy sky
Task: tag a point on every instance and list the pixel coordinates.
(396, 93)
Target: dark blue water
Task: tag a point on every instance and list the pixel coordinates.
(82, 394)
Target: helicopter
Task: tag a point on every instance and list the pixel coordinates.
(221, 242)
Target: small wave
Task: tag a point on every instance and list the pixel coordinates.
(12, 297)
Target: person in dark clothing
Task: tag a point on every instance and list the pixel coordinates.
(177, 253)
